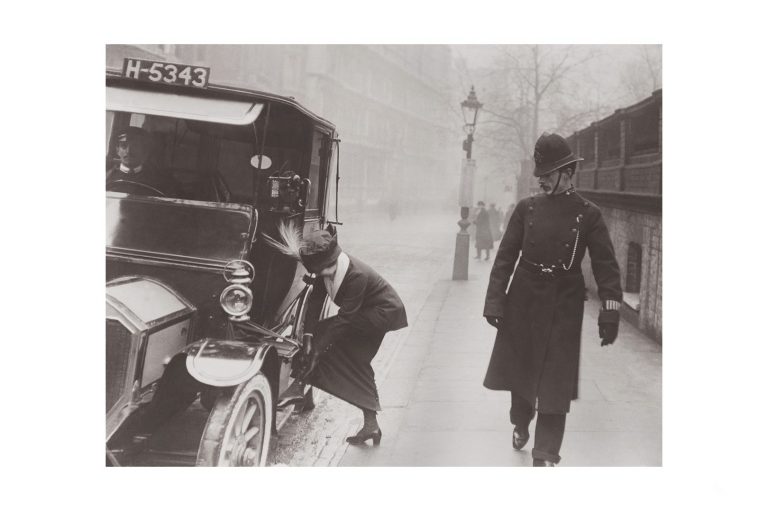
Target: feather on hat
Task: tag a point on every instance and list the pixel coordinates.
(318, 250)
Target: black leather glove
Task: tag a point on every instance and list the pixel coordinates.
(309, 366)
(495, 321)
(608, 326)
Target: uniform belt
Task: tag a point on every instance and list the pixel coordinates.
(547, 270)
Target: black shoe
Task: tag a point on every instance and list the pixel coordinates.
(541, 463)
(362, 436)
(293, 395)
(520, 438)
(307, 404)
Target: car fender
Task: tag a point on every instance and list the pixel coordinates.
(224, 363)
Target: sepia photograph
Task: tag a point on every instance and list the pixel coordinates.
(383, 255)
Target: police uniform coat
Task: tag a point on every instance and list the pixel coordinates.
(368, 308)
(536, 351)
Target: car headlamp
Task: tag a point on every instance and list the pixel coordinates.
(236, 300)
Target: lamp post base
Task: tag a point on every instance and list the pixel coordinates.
(461, 253)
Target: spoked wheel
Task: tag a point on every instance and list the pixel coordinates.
(239, 428)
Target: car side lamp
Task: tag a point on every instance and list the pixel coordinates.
(237, 299)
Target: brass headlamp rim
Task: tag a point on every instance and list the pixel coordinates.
(237, 316)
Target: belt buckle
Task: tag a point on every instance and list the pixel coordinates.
(546, 271)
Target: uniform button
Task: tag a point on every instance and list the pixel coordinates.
(530, 207)
(559, 260)
(530, 223)
(586, 203)
(573, 230)
(567, 244)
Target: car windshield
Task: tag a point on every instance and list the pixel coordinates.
(207, 148)
(180, 158)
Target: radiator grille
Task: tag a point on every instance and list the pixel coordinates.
(118, 353)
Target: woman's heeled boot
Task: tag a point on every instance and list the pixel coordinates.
(370, 430)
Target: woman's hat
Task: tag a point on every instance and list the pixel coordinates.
(551, 153)
(319, 250)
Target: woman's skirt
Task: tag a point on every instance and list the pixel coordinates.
(344, 369)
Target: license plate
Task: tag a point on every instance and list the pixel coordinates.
(166, 72)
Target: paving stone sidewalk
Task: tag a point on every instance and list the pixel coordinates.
(437, 413)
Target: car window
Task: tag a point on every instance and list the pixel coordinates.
(318, 154)
(196, 160)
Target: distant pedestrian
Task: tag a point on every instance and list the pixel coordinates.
(494, 219)
(483, 236)
(536, 352)
(346, 343)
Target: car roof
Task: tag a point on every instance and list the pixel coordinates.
(114, 78)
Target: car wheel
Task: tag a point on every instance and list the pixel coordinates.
(238, 431)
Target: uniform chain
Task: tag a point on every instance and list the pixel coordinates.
(575, 244)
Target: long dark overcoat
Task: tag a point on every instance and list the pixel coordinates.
(483, 235)
(536, 352)
(368, 308)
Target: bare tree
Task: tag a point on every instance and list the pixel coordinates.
(642, 75)
(531, 86)
(528, 89)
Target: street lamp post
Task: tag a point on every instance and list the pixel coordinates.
(469, 108)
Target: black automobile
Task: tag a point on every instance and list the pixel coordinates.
(205, 320)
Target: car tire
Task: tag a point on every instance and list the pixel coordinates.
(239, 428)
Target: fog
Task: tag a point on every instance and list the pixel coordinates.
(397, 107)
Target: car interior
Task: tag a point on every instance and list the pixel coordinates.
(212, 161)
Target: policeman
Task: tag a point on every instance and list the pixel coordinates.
(538, 321)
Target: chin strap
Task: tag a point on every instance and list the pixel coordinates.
(559, 177)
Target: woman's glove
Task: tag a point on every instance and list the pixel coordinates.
(314, 357)
(309, 366)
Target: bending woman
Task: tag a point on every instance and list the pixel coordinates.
(345, 344)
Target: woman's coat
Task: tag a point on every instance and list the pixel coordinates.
(368, 308)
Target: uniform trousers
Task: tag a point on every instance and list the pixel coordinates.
(550, 428)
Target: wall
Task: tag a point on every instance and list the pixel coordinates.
(644, 229)
(622, 174)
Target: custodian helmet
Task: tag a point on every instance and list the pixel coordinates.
(552, 153)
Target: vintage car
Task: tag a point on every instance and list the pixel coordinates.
(205, 321)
